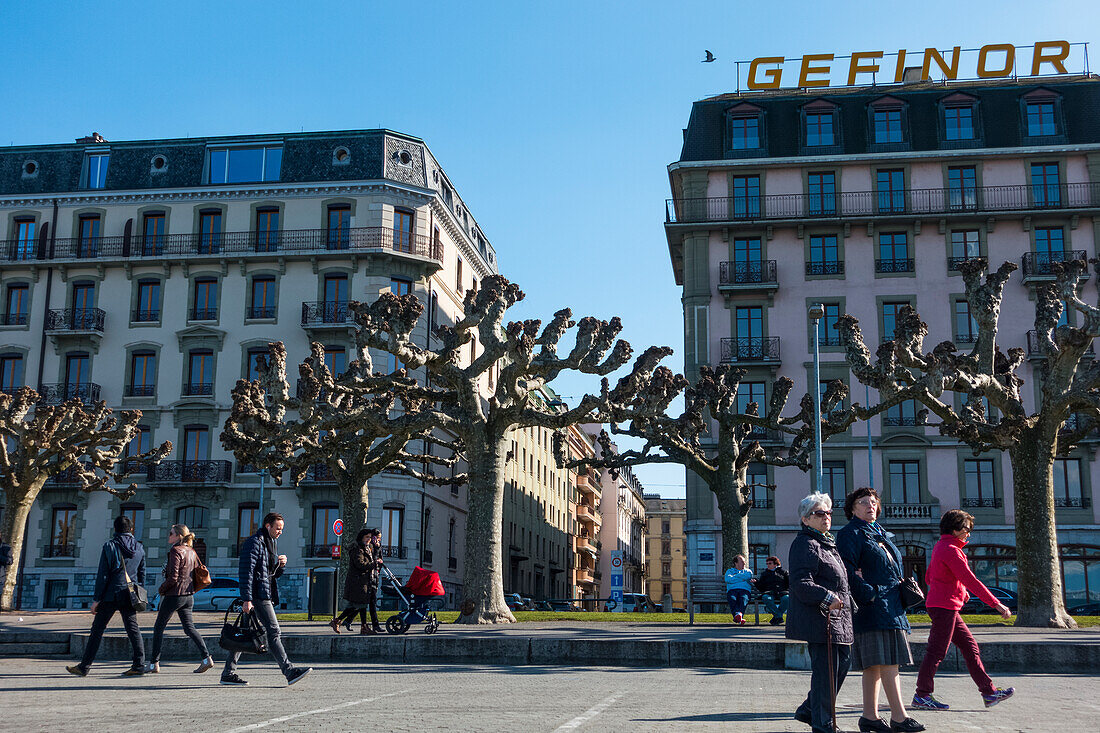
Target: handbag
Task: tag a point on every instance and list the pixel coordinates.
(135, 592)
(243, 634)
(911, 594)
(200, 576)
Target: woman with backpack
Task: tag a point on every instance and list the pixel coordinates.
(177, 595)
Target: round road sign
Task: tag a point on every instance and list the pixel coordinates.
(616, 562)
(338, 527)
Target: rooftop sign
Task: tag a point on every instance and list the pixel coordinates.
(992, 61)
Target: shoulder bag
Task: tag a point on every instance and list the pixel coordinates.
(200, 576)
(138, 596)
(243, 634)
(909, 589)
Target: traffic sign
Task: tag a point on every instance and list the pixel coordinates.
(335, 552)
(338, 527)
(616, 562)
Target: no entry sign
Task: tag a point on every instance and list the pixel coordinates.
(338, 527)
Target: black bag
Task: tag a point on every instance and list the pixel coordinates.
(134, 593)
(911, 594)
(243, 635)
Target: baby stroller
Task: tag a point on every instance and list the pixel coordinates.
(423, 586)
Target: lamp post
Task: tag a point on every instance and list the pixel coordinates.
(816, 312)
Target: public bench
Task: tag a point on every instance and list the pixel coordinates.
(712, 589)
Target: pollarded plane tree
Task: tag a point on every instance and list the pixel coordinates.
(523, 360)
(1032, 437)
(41, 441)
(712, 437)
(350, 426)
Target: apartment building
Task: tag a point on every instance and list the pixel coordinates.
(622, 525)
(666, 550)
(867, 199)
(585, 571)
(150, 274)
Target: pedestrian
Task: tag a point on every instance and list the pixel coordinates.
(121, 561)
(774, 584)
(875, 574)
(6, 559)
(820, 610)
(177, 595)
(949, 578)
(738, 588)
(361, 585)
(258, 569)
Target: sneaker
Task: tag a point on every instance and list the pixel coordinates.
(135, 671)
(77, 670)
(929, 703)
(204, 665)
(739, 619)
(154, 667)
(1000, 694)
(232, 679)
(297, 673)
(907, 726)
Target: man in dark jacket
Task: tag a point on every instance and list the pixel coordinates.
(259, 567)
(773, 585)
(122, 556)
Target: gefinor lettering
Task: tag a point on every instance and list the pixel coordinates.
(1010, 60)
(776, 74)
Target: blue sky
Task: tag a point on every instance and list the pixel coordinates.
(556, 121)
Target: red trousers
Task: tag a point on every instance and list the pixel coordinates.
(947, 629)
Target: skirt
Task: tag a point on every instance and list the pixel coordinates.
(888, 647)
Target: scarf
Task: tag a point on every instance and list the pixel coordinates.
(272, 552)
(824, 538)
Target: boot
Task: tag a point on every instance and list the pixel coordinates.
(335, 624)
(378, 629)
(365, 630)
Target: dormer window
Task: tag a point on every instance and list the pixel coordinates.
(887, 119)
(245, 164)
(819, 128)
(95, 167)
(958, 122)
(1042, 114)
(744, 128)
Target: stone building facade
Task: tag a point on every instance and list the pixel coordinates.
(622, 525)
(666, 550)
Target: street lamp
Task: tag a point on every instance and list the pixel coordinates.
(816, 312)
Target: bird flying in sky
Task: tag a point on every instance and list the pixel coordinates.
(710, 57)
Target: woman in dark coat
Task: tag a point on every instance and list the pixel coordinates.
(361, 585)
(881, 627)
(820, 610)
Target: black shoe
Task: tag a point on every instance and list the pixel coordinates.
(803, 717)
(135, 671)
(908, 725)
(777, 621)
(878, 725)
(232, 679)
(297, 673)
(77, 670)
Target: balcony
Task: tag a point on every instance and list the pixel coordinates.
(326, 314)
(1038, 266)
(982, 502)
(75, 320)
(584, 575)
(317, 552)
(763, 503)
(911, 512)
(140, 390)
(954, 264)
(587, 485)
(900, 421)
(582, 544)
(734, 276)
(202, 314)
(817, 269)
(191, 472)
(140, 316)
(585, 513)
(1072, 502)
(260, 311)
(219, 244)
(891, 267)
(13, 319)
(66, 477)
(318, 473)
(1035, 351)
(759, 350)
(197, 389)
(55, 394)
(401, 553)
(66, 550)
(873, 204)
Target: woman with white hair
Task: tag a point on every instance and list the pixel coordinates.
(821, 610)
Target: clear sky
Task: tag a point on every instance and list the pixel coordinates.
(556, 121)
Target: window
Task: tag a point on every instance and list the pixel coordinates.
(827, 335)
(893, 253)
(966, 328)
(267, 230)
(143, 374)
(248, 521)
(193, 516)
(96, 166)
(819, 128)
(1067, 483)
(339, 226)
(890, 312)
(153, 233)
(402, 230)
(903, 414)
(262, 300)
(965, 245)
(962, 188)
(1045, 188)
(452, 561)
(336, 359)
(822, 190)
(745, 133)
(245, 165)
(958, 122)
(141, 443)
(666, 528)
(136, 513)
(824, 256)
(1049, 247)
(887, 126)
(205, 307)
(746, 197)
(978, 475)
(905, 482)
(750, 322)
(756, 477)
(210, 232)
(24, 239)
(336, 299)
(400, 287)
(78, 370)
(253, 365)
(200, 372)
(1040, 119)
(1081, 573)
(748, 393)
(11, 373)
(196, 443)
(83, 302)
(834, 480)
(88, 229)
(16, 304)
(148, 302)
(891, 191)
(458, 277)
(63, 531)
(393, 516)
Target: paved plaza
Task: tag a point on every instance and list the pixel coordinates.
(38, 695)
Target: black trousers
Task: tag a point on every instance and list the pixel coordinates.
(103, 613)
(372, 604)
(181, 606)
(817, 704)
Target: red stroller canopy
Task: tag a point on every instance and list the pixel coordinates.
(424, 583)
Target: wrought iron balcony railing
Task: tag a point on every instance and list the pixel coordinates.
(261, 311)
(1040, 264)
(140, 316)
(55, 394)
(198, 389)
(66, 550)
(908, 511)
(747, 273)
(202, 314)
(893, 266)
(13, 319)
(982, 502)
(900, 421)
(319, 473)
(739, 350)
(884, 202)
(1072, 502)
(140, 390)
(397, 551)
(191, 472)
(324, 312)
(763, 503)
(1035, 351)
(75, 319)
(291, 241)
(825, 268)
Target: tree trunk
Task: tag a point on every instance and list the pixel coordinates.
(353, 513)
(17, 509)
(1038, 572)
(483, 580)
(734, 511)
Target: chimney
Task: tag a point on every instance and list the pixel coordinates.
(95, 137)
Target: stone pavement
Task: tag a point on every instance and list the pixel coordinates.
(39, 696)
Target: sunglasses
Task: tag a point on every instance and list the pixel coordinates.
(822, 513)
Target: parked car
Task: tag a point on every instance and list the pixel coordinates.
(565, 606)
(516, 602)
(1086, 609)
(543, 606)
(637, 603)
(1005, 596)
(218, 596)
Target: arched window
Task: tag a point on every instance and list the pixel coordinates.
(193, 516)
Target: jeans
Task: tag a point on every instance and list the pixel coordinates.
(738, 599)
(817, 704)
(350, 612)
(182, 606)
(776, 606)
(103, 613)
(265, 614)
(948, 628)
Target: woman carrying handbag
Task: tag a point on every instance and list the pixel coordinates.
(177, 595)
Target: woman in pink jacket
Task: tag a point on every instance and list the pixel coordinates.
(949, 578)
